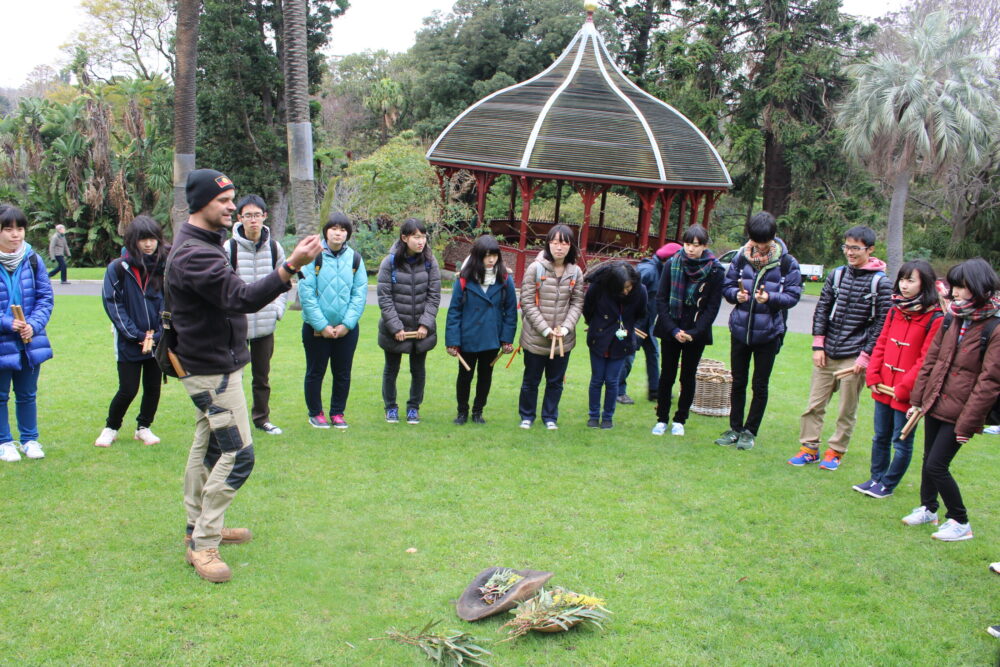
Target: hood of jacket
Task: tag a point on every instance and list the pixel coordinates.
(239, 234)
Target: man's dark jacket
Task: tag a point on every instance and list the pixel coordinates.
(853, 330)
(209, 301)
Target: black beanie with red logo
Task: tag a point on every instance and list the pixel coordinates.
(204, 185)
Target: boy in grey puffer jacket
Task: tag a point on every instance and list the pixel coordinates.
(254, 254)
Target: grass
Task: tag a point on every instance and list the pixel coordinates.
(706, 555)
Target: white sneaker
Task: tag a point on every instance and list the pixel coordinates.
(148, 437)
(107, 436)
(995, 568)
(919, 516)
(552, 426)
(33, 450)
(992, 430)
(525, 423)
(677, 429)
(9, 453)
(953, 531)
(660, 428)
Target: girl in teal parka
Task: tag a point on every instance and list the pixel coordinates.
(482, 320)
(332, 293)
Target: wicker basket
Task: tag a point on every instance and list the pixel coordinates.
(711, 393)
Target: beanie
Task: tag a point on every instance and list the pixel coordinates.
(204, 185)
(668, 250)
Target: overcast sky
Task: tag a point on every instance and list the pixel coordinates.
(34, 31)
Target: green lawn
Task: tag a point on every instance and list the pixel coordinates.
(706, 556)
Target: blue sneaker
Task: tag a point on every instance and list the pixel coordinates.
(863, 488)
(879, 491)
(805, 455)
(392, 415)
(412, 416)
(831, 460)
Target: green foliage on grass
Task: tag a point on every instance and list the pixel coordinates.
(708, 556)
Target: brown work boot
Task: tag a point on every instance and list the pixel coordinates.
(229, 536)
(209, 565)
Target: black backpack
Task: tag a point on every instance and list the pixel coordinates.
(993, 417)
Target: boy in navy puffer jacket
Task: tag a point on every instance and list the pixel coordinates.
(763, 282)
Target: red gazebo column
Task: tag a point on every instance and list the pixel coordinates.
(484, 180)
(695, 200)
(647, 197)
(527, 194)
(710, 199)
(666, 201)
(680, 214)
(588, 193)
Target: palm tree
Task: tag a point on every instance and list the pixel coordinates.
(300, 144)
(928, 107)
(386, 99)
(184, 103)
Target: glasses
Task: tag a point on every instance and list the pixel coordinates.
(853, 248)
(252, 216)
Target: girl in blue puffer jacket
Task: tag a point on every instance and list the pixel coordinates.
(24, 282)
(332, 292)
(482, 320)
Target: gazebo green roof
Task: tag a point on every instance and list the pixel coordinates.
(582, 119)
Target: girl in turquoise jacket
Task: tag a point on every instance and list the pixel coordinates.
(332, 293)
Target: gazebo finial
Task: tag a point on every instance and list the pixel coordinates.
(590, 8)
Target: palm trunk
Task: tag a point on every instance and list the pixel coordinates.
(894, 241)
(300, 145)
(184, 104)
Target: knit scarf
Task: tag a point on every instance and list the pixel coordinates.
(964, 308)
(489, 276)
(762, 261)
(685, 276)
(11, 260)
(907, 305)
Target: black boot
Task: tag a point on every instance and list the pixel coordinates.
(461, 418)
(477, 418)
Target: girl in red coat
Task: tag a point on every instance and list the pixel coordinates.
(899, 352)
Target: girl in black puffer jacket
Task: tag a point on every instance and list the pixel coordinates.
(133, 299)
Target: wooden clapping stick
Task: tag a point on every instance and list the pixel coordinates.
(641, 334)
(462, 361)
(147, 343)
(497, 358)
(561, 352)
(911, 424)
(552, 348)
(841, 374)
(886, 389)
(410, 334)
(512, 355)
(18, 314)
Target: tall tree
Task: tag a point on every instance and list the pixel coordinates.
(928, 106)
(300, 139)
(185, 121)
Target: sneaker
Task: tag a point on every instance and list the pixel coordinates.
(677, 428)
(146, 436)
(745, 441)
(525, 423)
(392, 416)
(625, 399)
(229, 536)
(9, 453)
(728, 438)
(992, 430)
(607, 424)
(920, 515)
(879, 491)
(461, 418)
(412, 416)
(995, 568)
(994, 630)
(552, 426)
(270, 429)
(107, 436)
(593, 423)
(209, 565)
(660, 428)
(831, 460)
(319, 421)
(477, 418)
(864, 486)
(806, 455)
(953, 531)
(338, 421)
(33, 450)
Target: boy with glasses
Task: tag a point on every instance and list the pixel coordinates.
(846, 323)
(254, 254)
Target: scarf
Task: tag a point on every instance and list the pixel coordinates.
(907, 305)
(760, 262)
(685, 276)
(11, 260)
(965, 309)
(489, 277)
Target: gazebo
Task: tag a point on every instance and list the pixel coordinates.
(582, 122)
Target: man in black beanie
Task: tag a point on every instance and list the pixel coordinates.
(208, 303)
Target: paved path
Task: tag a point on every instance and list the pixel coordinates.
(799, 318)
